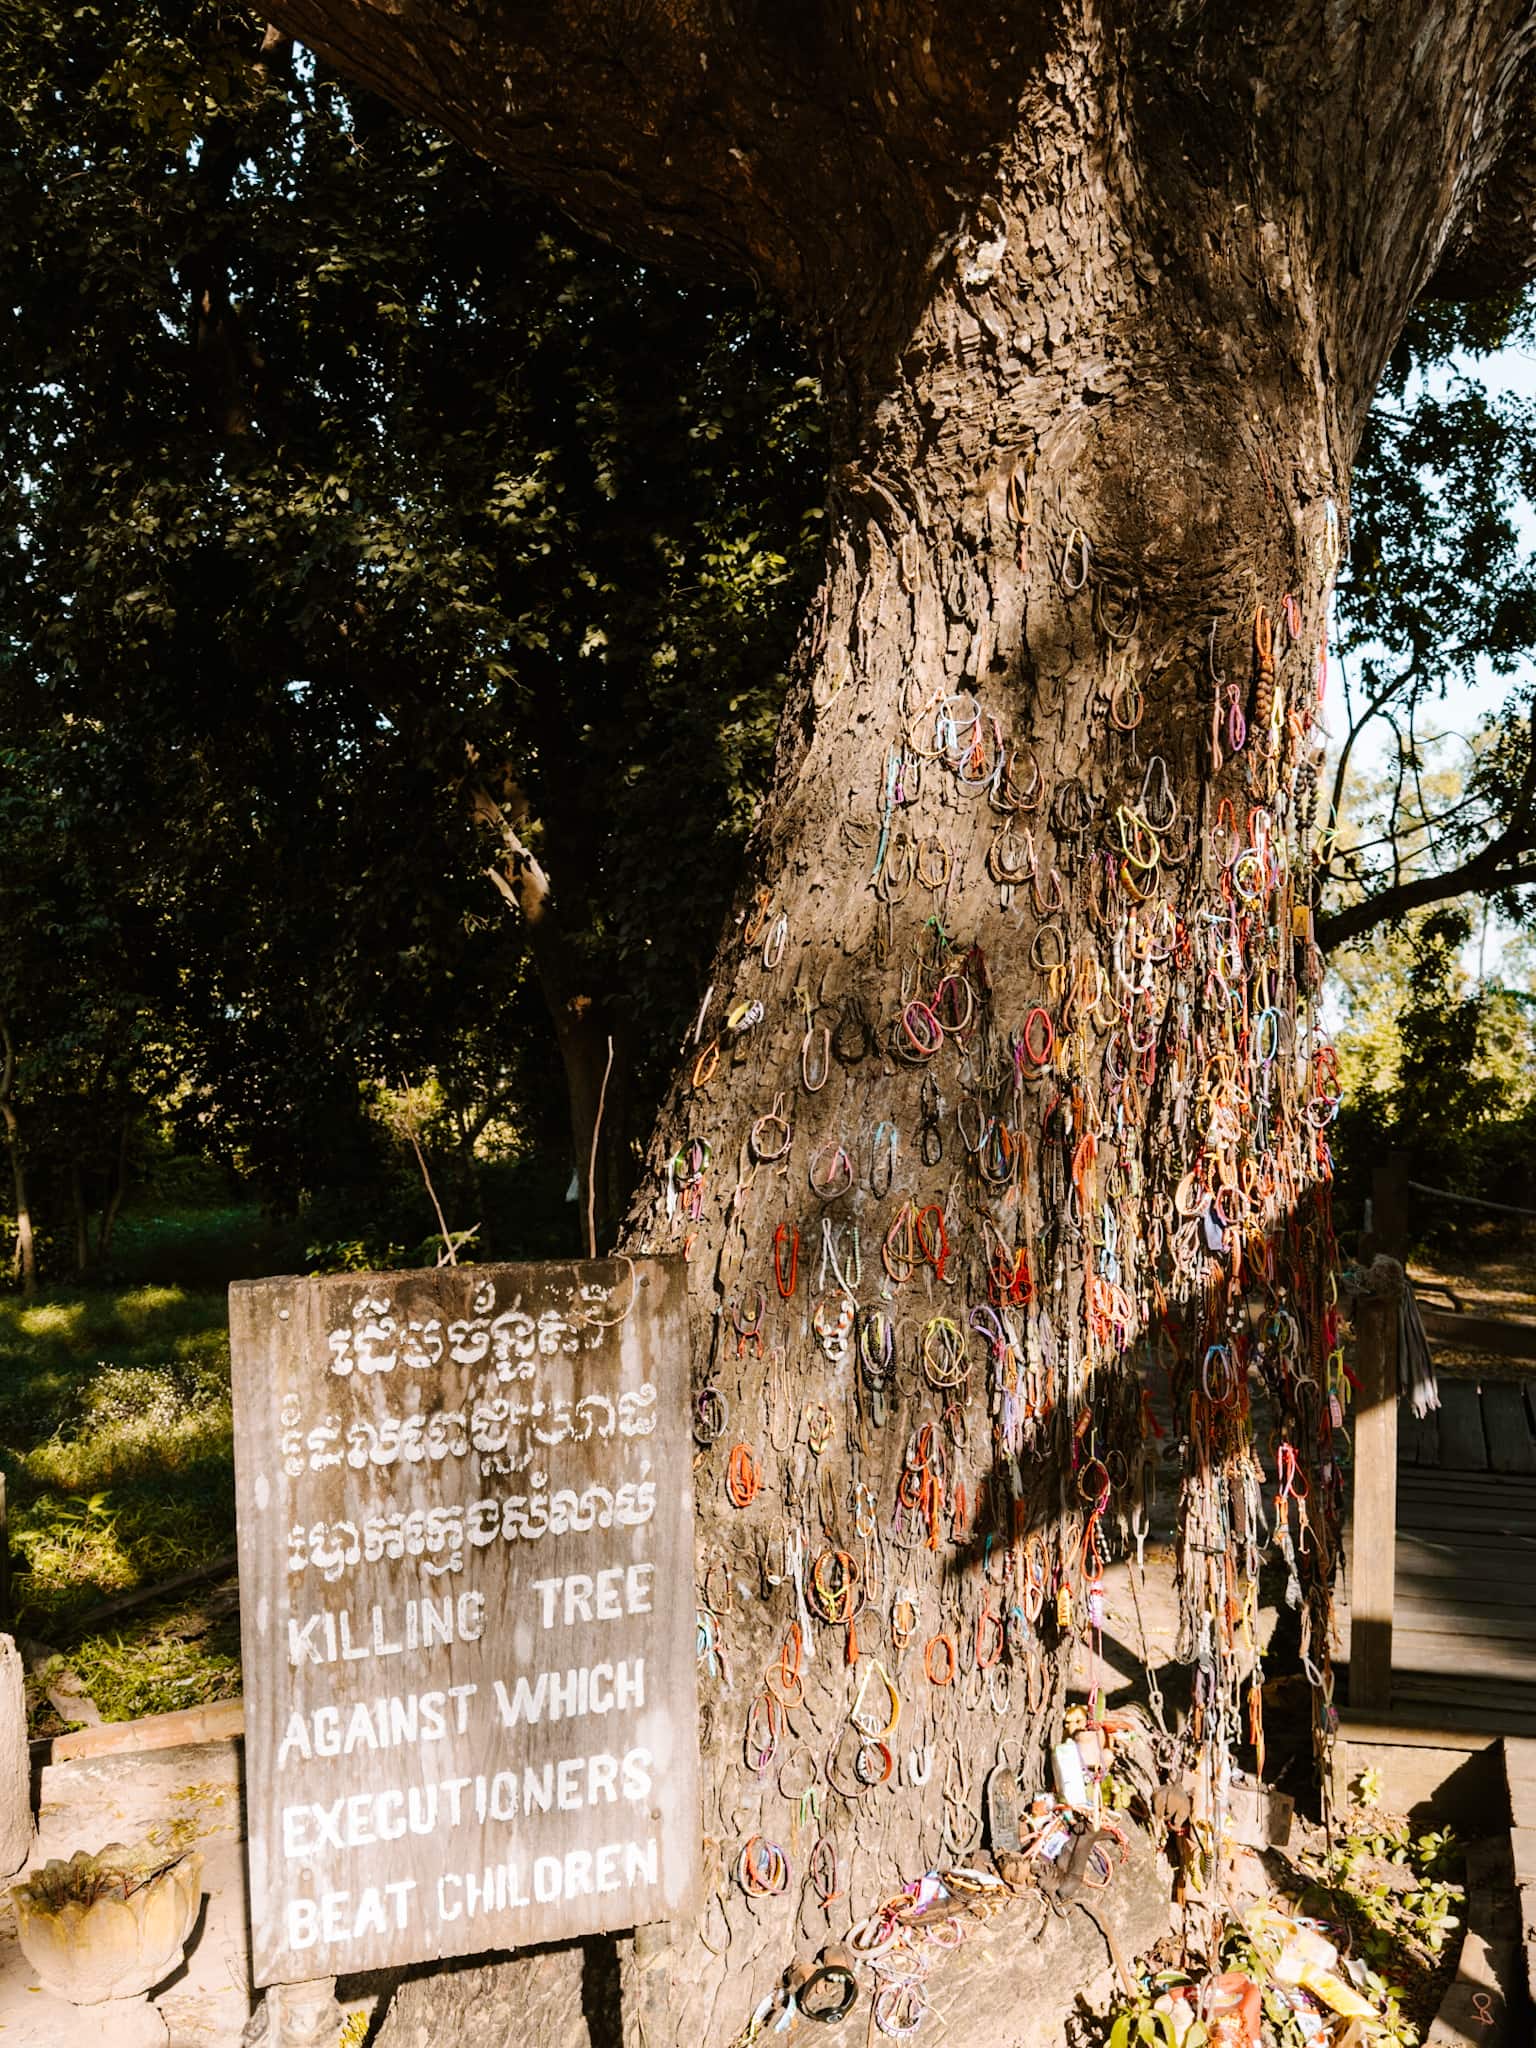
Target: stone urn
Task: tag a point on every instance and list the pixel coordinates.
(102, 1930)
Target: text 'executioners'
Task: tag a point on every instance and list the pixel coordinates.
(314, 1829)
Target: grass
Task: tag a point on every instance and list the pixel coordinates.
(116, 1442)
(116, 1445)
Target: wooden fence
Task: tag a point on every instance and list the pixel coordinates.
(1373, 1554)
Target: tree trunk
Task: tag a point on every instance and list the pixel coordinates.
(82, 1218)
(119, 1187)
(969, 1082)
(1011, 1093)
(24, 1259)
(1037, 1064)
(24, 1264)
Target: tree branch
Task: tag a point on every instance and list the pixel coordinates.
(1341, 770)
(1430, 822)
(1397, 804)
(475, 1126)
(580, 1031)
(715, 138)
(520, 877)
(1503, 863)
(838, 152)
(1494, 250)
(1388, 905)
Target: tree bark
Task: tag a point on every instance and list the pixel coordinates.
(1011, 1087)
(82, 1217)
(1039, 910)
(112, 1206)
(25, 1264)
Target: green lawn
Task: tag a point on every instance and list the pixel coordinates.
(115, 1439)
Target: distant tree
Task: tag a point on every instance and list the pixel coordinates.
(1438, 1061)
(1439, 591)
(350, 497)
(85, 1005)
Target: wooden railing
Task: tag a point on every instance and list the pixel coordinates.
(1373, 1549)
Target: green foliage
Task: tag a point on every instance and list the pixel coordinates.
(179, 1659)
(327, 462)
(1136, 2025)
(1439, 577)
(324, 463)
(1398, 1895)
(1440, 1093)
(116, 1440)
(1387, 1898)
(1439, 1066)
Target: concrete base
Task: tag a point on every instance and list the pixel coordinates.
(1520, 1765)
(1433, 1774)
(185, 1798)
(15, 1771)
(188, 1797)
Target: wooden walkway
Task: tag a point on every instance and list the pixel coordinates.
(1464, 1633)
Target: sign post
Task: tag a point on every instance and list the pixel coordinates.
(467, 1615)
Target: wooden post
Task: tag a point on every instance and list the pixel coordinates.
(1373, 1556)
(1389, 1207)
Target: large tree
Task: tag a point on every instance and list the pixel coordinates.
(1012, 1034)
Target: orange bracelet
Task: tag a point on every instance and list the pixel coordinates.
(743, 1477)
(946, 1643)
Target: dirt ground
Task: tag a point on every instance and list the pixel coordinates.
(1484, 1282)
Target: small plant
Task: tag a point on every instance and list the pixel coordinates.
(1368, 1786)
(85, 1879)
(1374, 1921)
(1143, 2025)
(407, 1113)
(353, 1255)
(1395, 1895)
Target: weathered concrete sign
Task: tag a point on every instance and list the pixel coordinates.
(467, 1612)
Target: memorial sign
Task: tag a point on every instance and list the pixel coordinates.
(467, 1612)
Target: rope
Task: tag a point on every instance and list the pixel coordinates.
(1470, 1201)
